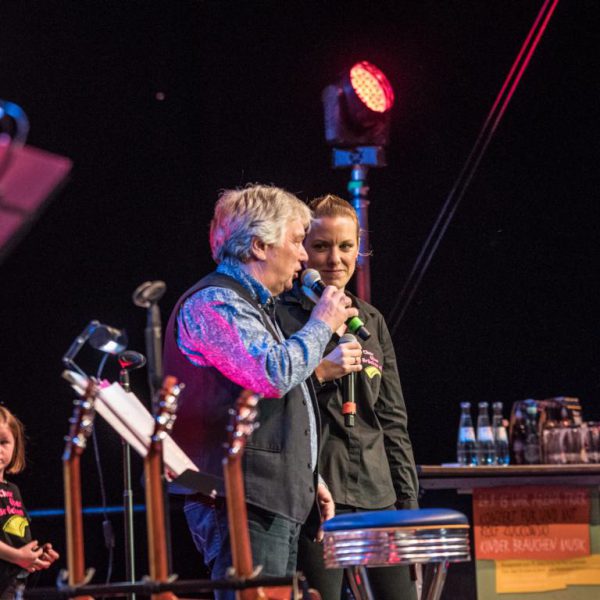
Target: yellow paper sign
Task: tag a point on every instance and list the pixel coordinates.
(522, 576)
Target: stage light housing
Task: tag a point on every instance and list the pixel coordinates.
(357, 107)
(14, 125)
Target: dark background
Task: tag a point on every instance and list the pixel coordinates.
(509, 307)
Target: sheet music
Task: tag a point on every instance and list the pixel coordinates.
(133, 422)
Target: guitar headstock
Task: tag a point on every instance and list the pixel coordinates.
(82, 420)
(168, 399)
(243, 421)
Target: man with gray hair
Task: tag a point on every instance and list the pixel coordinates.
(222, 337)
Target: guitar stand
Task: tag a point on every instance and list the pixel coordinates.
(62, 581)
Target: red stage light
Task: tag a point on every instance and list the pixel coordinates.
(372, 87)
(358, 107)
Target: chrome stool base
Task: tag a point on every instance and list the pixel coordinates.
(435, 537)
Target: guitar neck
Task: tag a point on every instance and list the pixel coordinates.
(74, 521)
(237, 515)
(242, 426)
(155, 518)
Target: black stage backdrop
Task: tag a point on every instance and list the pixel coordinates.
(162, 104)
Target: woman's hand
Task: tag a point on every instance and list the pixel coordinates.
(344, 359)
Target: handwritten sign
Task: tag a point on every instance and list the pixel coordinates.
(539, 523)
(521, 576)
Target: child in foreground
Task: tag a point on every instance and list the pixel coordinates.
(19, 554)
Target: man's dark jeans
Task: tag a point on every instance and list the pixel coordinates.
(274, 540)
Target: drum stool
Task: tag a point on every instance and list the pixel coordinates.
(432, 536)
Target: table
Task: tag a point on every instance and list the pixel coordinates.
(517, 480)
(436, 477)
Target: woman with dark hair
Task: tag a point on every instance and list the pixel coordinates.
(369, 466)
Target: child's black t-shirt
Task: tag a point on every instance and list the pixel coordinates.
(14, 528)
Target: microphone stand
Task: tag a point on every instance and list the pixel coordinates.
(129, 361)
(147, 296)
(153, 338)
(127, 498)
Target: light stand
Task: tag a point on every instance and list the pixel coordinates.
(128, 361)
(359, 160)
(357, 122)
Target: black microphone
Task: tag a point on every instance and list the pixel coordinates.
(312, 281)
(348, 388)
(129, 361)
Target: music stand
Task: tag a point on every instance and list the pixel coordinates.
(27, 184)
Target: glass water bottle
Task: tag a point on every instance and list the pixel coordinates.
(466, 447)
(486, 452)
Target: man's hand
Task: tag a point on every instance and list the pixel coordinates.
(344, 359)
(326, 506)
(334, 308)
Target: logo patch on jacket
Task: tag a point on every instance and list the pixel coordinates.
(372, 371)
(371, 364)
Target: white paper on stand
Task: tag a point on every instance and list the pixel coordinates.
(133, 422)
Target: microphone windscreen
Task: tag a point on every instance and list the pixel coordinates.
(309, 277)
(148, 293)
(131, 360)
